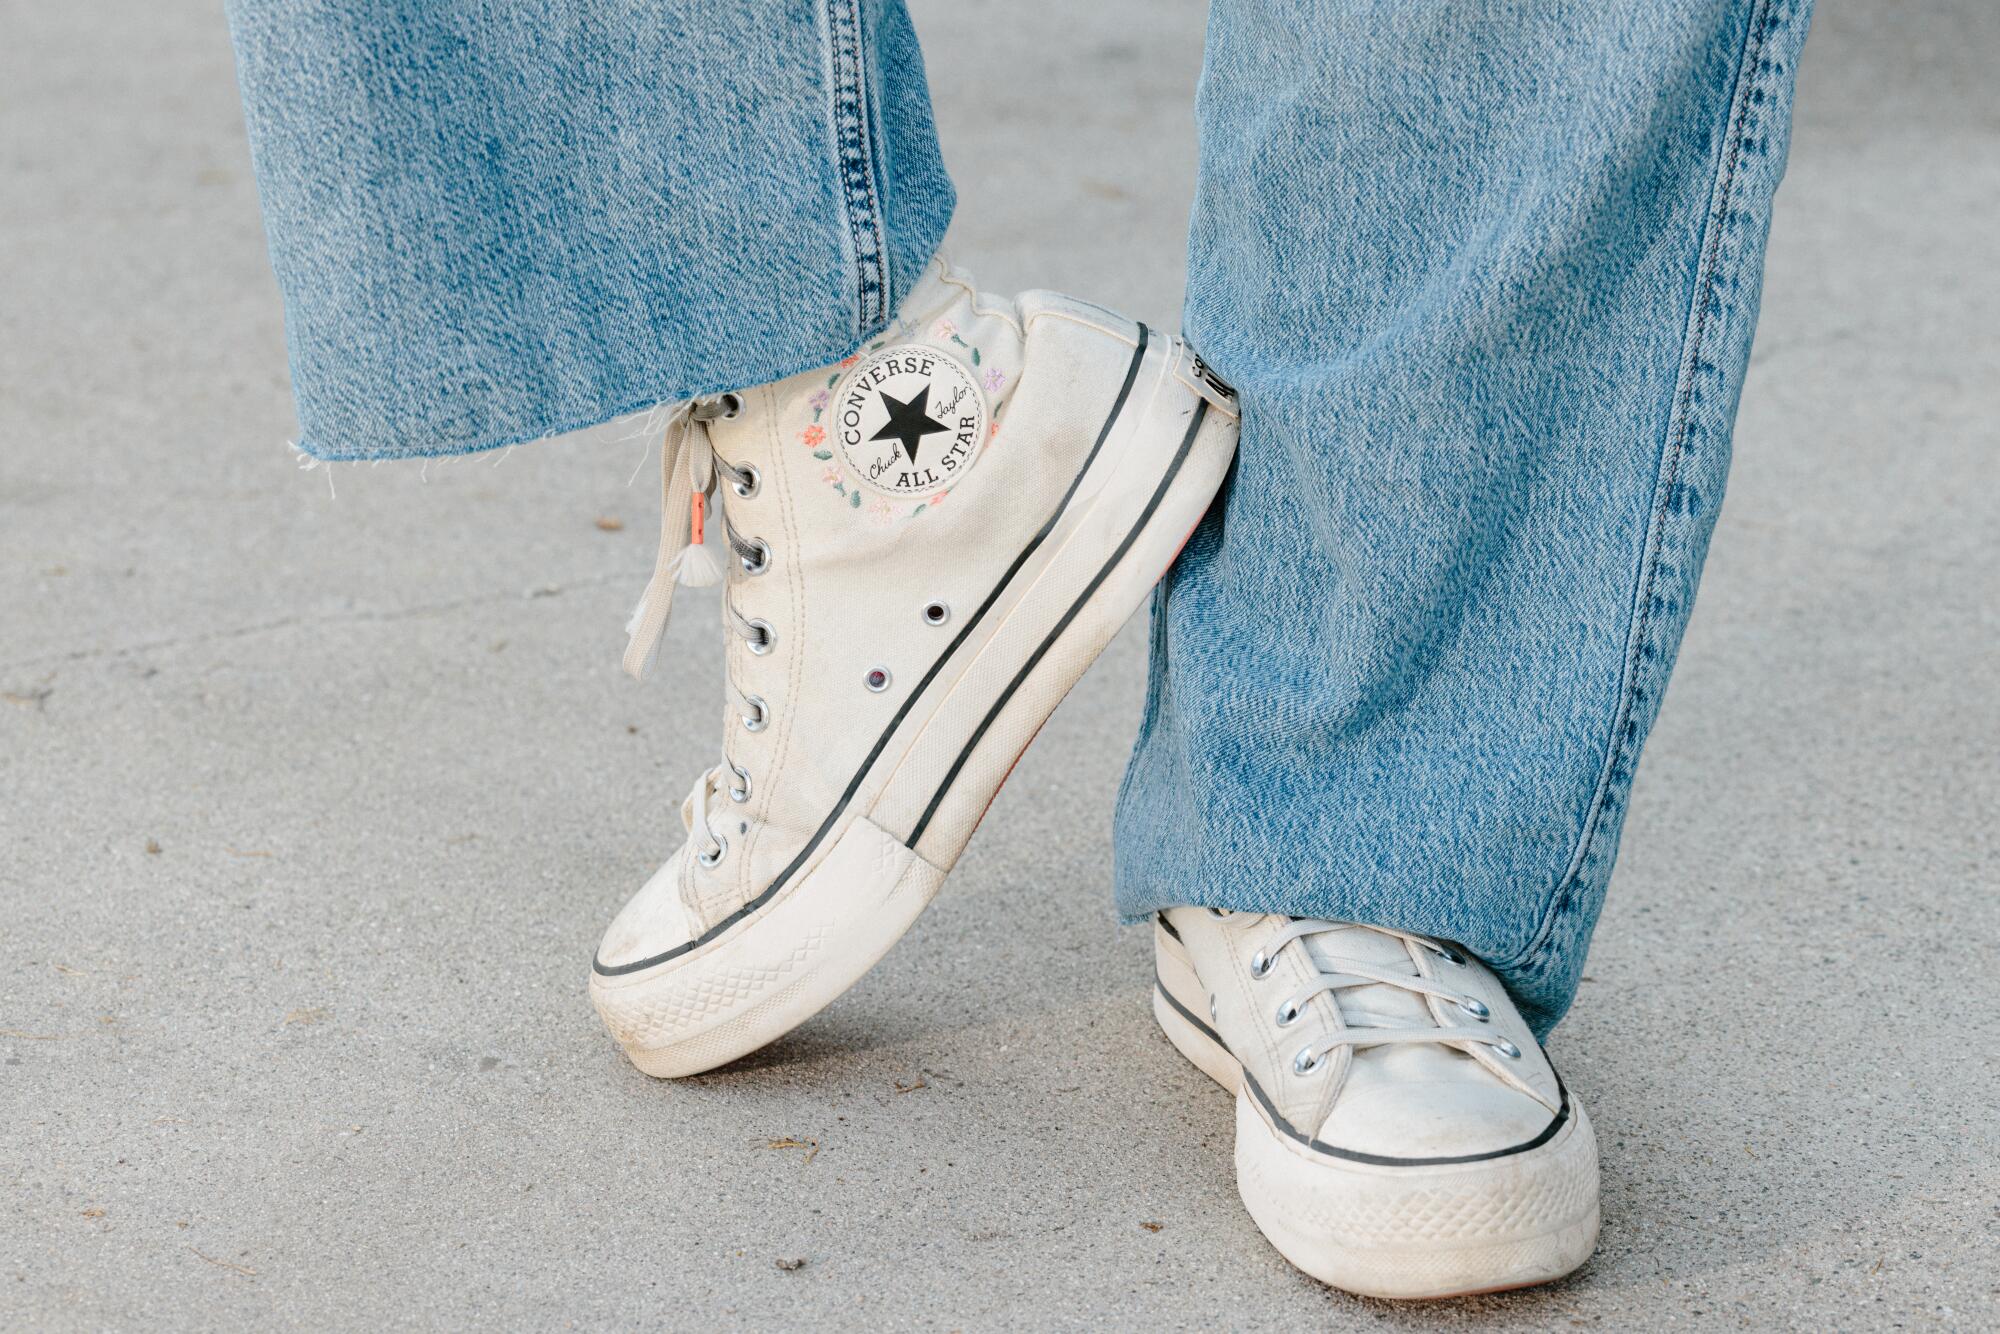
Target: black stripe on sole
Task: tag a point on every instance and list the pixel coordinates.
(603, 969)
(1292, 1132)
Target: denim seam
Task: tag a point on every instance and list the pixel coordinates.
(854, 144)
(1156, 679)
(1643, 653)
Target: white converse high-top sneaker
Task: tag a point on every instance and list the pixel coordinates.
(921, 550)
(1399, 1132)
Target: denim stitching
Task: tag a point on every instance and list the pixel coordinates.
(854, 149)
(1643, 669)
(1156, 679)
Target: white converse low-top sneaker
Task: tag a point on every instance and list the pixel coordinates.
(921, 550)
(1399, 1132)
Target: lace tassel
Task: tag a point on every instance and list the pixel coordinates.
(649, 618)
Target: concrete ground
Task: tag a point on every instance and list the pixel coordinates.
(311, 809)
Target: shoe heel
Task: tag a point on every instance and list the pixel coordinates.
(1178, 1003)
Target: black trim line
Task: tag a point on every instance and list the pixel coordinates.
(1166, 926)
(1035, 658)
(1189, 1015)
(1354, 1155)
(603, 969)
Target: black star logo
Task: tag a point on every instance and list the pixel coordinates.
(909, 422)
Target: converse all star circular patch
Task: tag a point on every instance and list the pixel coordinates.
(908, 420)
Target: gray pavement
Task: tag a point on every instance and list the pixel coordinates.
(311, 809)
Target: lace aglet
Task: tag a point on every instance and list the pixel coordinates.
(697, 566)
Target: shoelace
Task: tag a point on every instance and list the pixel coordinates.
(691, 509)
(1357, 973)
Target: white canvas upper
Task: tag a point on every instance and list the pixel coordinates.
(1399, 1130)
(930, 542)
(851, 572)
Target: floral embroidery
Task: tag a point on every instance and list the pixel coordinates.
(994, 379)
(946, 329)
(819, 398)
(813, 436)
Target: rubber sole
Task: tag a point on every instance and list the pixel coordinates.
(1418, 1232)
(1160, 462)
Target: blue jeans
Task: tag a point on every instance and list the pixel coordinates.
(1483, 273)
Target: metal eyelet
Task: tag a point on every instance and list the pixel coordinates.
(877, 679)
(936, 613)
(1212, 1017)
(1288, 1013)
(1305, 1062)
(1260, 964)
(717, 407)
(740, 793)
(714, 858)
(758, 721)
(766, 637)
(1451, 955)
(763, 560)
(1506, 1048)
(1475, 1007)
(748, 490)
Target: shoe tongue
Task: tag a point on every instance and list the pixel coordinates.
(1376, 1004)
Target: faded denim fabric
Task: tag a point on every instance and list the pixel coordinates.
(496, 222)
(1484, 274)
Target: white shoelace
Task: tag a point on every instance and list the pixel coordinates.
(691, 511)
(1358, 973)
